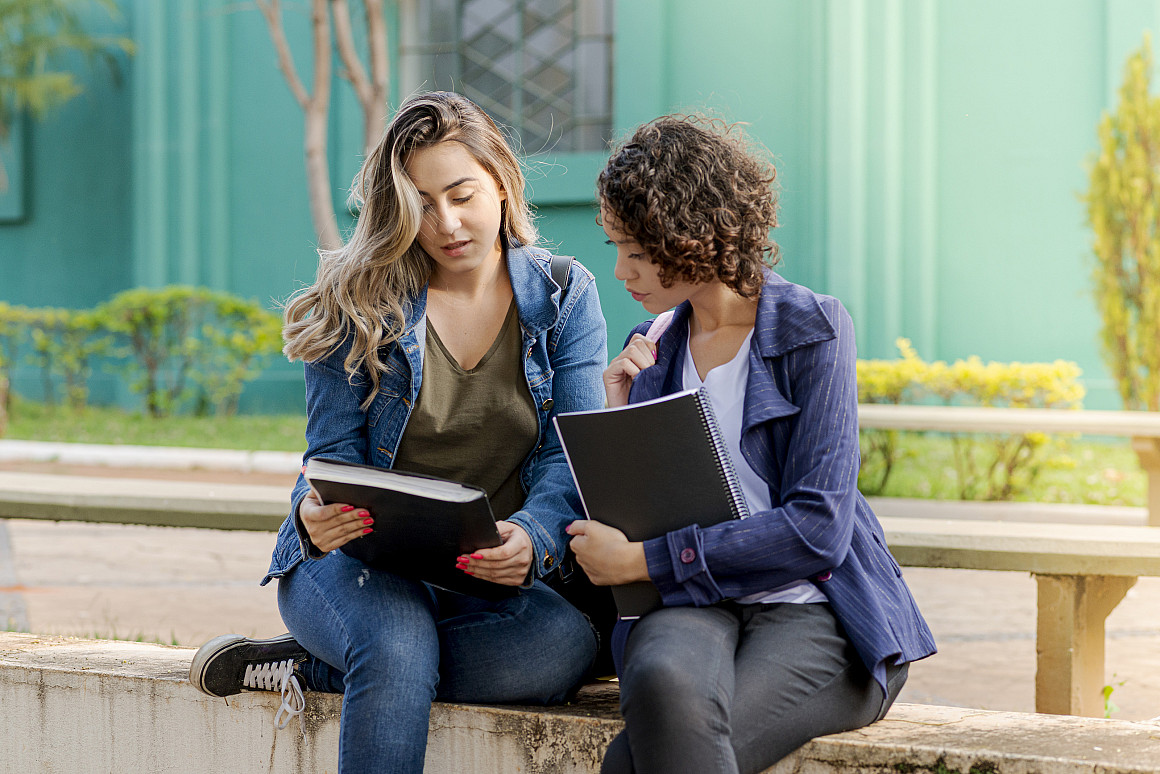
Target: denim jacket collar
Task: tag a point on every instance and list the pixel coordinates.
(537, 295)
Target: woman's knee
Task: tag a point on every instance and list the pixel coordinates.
(654, 683)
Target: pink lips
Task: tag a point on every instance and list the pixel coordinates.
(455, 249)
(636, 296)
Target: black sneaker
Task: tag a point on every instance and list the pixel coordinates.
(231, 663)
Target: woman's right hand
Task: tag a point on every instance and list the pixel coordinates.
(637, 356)
(332, 526)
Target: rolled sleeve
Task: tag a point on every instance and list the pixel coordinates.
(677, 567)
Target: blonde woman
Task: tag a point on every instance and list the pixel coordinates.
(437, 342)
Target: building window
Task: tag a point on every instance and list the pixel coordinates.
(540, 68)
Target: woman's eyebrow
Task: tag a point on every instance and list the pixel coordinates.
(456, 184)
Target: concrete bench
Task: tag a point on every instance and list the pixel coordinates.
(1143, 427)
(1082, 570)
(85, 705)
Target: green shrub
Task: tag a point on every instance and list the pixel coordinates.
(64, 343)
(189, 346)
(182, 348)
(990, 467)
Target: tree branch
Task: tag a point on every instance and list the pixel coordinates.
(380, 71)
(320, 23)
(347, 52)
(272, 12)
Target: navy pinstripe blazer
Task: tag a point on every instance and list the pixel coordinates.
(800, 433)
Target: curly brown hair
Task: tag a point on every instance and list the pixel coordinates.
(698, 197)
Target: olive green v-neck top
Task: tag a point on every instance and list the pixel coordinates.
(476, 426)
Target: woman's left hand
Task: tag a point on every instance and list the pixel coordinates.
(507, 564)
(606, 554)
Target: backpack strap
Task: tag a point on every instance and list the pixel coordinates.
(560, 267)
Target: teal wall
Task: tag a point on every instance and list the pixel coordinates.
(930, 159)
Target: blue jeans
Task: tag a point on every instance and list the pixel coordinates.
(392, 645)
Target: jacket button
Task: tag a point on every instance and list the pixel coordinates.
(547, 405)
(688, 555)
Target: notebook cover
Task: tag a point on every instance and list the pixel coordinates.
(647, 469)
(419, 537)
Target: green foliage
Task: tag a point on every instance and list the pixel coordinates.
(64, 343)
(1110, 706)
(992, 467)
(33, 36)
(1123, 204)
(182, 344)
(181, 347)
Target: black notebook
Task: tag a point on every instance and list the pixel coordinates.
(421, 524)
(648, 469)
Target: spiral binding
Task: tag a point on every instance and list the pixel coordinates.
(721, 452)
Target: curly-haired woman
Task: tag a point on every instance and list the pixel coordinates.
(435, 341)
(794, 622)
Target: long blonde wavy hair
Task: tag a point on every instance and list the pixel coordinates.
(362, 287)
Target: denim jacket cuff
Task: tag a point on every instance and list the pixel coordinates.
(545, 556)
(309, 550)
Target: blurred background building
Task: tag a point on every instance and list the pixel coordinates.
(931, 154)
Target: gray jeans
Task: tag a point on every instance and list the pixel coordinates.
(736, 688)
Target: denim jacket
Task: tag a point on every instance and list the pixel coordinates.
(800, 434)
(565, 345)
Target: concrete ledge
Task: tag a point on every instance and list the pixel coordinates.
(142, 501)
(99, 706)
(1058, 549)
(157, 457)
(1001, 510)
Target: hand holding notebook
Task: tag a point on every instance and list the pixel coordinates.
(673, 445)
(421, 524)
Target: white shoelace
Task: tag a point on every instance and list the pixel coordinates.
(278, 676)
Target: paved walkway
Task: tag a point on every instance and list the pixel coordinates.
(184, 586)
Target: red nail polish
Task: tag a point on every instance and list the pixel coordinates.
(347, 508)
(363, 514)
(368, 522)
(367, 531)
(469, 572)
(461, 566)
(477, 556)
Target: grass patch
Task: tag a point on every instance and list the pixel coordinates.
(37, 422)
(1091, 472)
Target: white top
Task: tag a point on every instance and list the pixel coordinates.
(726, 387)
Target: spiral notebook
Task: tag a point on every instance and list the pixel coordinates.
(648, 469)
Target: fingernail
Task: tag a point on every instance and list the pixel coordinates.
(347, 508)
(363, 514)
(477, 556)
(469, 572)
(461, 566)
(368, 522)
(461, 559)
(568, 529)
(367, 531)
